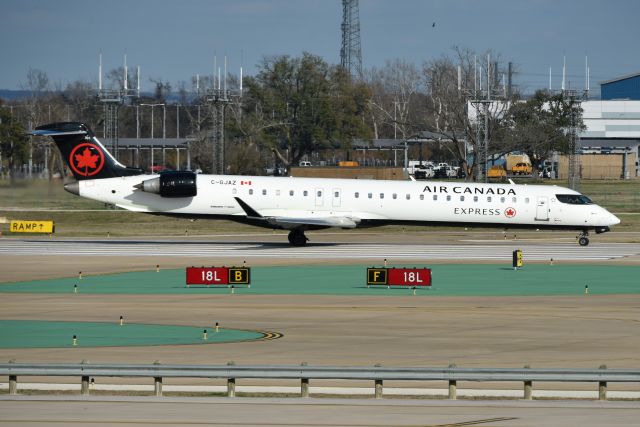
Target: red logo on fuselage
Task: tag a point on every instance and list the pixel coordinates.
(510, 212)
(86, 159)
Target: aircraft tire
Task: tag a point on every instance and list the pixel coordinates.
(583, 241)
(297, 238)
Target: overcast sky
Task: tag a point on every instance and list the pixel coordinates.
(174, 40)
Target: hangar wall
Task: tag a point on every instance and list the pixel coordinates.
(601, 166)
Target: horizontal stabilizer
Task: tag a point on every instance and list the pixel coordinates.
(49, 132)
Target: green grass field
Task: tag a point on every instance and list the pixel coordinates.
(448, 280)
(56, 334)
(75, 216)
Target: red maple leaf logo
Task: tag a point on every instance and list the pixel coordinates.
(510, 212)
(86, 159)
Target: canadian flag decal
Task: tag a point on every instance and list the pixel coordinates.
(245, 182)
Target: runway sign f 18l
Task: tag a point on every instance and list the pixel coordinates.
(399, 276)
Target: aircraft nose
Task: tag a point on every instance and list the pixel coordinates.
(614, 219)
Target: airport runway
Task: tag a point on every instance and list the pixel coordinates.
(342, 250)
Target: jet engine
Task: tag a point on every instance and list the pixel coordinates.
(171, 184)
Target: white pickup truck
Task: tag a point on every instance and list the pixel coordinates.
(444, 170)
(420, 170)
(423, 171)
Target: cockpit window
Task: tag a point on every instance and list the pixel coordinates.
(574, 199)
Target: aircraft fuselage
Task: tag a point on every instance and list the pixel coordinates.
(367, 202)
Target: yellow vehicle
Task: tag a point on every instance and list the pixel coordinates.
(497, 172)
(348, 164)
(522, 169)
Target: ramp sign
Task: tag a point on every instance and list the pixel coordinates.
(18, 226)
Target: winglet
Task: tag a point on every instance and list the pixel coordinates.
(511, 182)
(251, 213)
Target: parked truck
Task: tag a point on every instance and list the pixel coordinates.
(497, 172)
(522, 169)
(513, 159)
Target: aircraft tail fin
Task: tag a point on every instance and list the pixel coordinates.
(84, 154)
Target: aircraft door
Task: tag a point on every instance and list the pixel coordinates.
(542, 209)
(319, 197)
(335, 197)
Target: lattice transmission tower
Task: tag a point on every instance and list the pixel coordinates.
(351, 52)
(482, 98)
(574, 98)
(219, 97)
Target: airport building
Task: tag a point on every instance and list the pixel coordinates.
(611, 139)
(621, 88)
(612, 136)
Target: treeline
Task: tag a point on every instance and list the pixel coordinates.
(298, 107)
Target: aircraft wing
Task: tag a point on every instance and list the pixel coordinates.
(327, 221)
(294, 222)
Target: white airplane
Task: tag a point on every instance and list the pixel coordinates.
(300, 204)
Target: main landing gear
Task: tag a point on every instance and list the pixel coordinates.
(297, 237)
(583, 238)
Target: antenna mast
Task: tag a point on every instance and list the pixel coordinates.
(351, 52)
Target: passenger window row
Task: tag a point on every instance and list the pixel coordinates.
(394, 196)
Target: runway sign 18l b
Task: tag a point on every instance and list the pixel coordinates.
(399, 276)
(218, 276)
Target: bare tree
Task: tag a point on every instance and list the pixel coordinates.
(395, 89)
(451, 111)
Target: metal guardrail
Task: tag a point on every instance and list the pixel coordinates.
(306, 373)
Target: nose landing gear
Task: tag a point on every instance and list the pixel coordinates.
(583, 238)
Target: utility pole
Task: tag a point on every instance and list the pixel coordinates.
(481, 98)
(574, 100)
(111, 100)
(219, 97)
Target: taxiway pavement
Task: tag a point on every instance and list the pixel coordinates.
(539, 331)
(137, 411)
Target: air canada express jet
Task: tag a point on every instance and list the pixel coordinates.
(300, 204)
